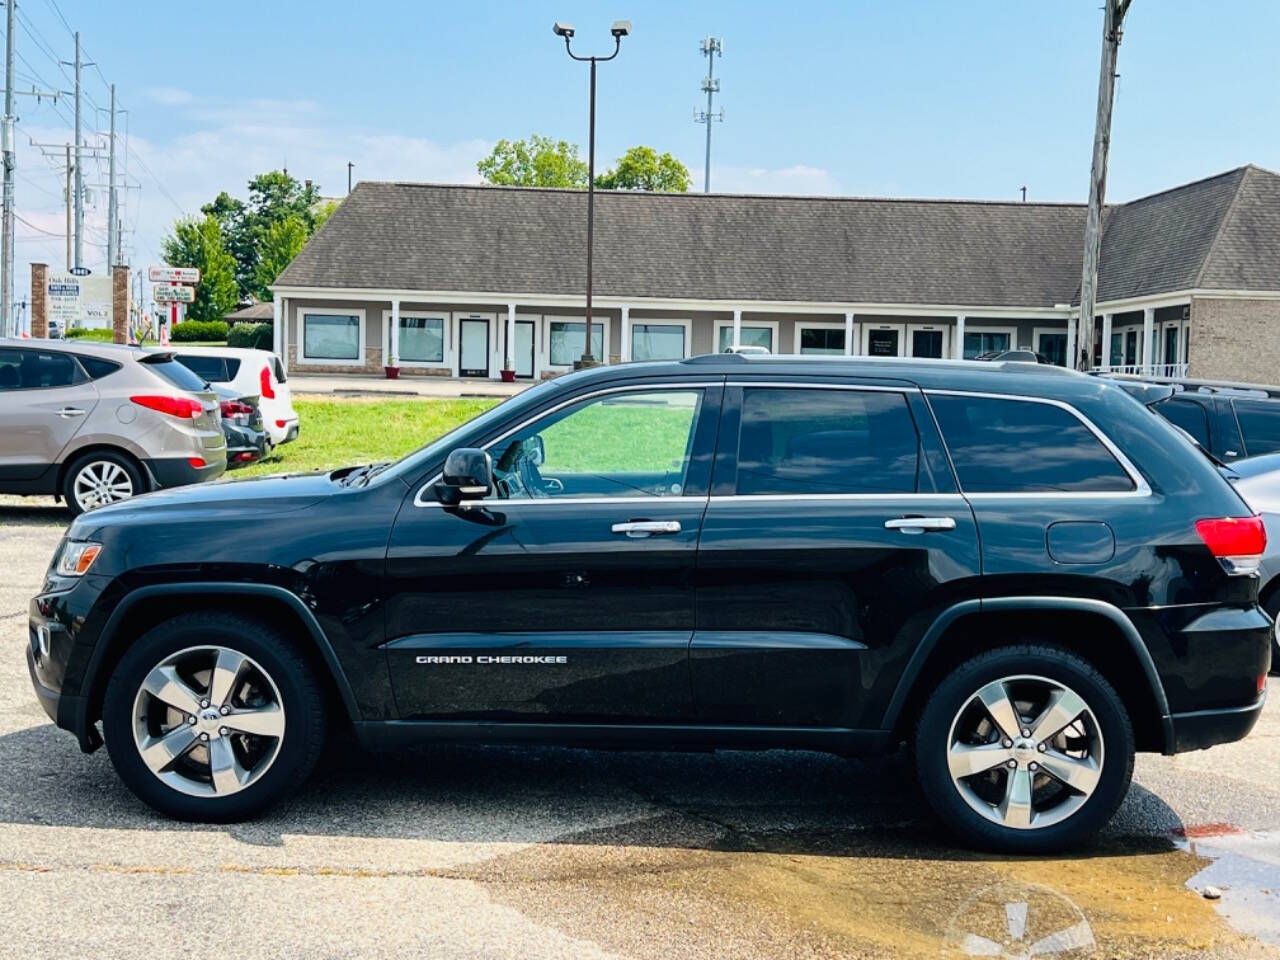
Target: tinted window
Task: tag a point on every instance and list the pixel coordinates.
(1188, 415)
(1017, 446)
(279, 369)
(213, 369)
(233, 367)
(826, 441)
(98, 368)
(180, 376)
(1260, 423)
(621, 445)
(29, 369)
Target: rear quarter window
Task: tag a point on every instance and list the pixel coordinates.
(97, 368)
(1260, 425)
(1020, 446)
(1188, 415)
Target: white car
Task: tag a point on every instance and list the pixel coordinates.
(248, 372)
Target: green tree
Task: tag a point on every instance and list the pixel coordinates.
(643, 168)
(279, 244)
(198, 242)
(536, 162)
(230, 214)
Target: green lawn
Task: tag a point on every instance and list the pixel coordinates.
(337, 432)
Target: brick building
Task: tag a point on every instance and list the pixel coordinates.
(471, 280)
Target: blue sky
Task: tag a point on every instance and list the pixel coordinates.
(934, 98)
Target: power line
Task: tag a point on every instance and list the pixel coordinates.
(50, 233)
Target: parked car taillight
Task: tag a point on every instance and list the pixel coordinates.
(181, 407)
(268, 391)
(231, 409)
(1237, 541)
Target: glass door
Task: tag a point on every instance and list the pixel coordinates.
(524, 348)
(473, 353)
(882, 340)
(928, 340)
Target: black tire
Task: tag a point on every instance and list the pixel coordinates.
(1272, 606)
(300, 696)
(125, 462)
(932, 743)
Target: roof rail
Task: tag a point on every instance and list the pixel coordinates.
(715, 358)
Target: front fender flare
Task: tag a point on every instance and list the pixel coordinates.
(1002, 604)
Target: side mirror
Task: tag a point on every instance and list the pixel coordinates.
(467, 474)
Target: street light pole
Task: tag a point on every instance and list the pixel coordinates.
(620, 29)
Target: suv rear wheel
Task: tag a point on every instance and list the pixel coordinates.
(213, 717)
(99, 478)
(1024, 749)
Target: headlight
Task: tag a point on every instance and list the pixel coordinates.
(77, 557)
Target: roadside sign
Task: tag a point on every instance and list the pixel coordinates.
(80, 271)
(173, 275)
(163, 294)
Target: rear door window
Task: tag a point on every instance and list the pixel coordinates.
(821, 441)
(1021, 446)
(1188, 415)
(1260, 424)
(26, 368)
(213, 369)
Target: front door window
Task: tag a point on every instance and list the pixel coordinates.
(622, 445)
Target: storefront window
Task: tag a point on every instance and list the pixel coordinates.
(330, 337)
(750, 337)
(822, 340)
(568, 337)
(657, 341)
(422, 339)
(980, 342)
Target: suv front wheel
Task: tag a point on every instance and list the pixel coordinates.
(1024, 749)
(213, 717)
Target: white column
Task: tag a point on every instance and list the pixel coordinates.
(848, 333)
(284, 337)
(395, 335)
(511, 337)
(625, 350)
(1073, 358)
(957, 348)
(737, 329)
(277, 326)
(1106, 339)
(1148, 332)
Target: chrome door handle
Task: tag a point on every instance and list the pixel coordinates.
(646, 528)
(66, 413)
(910, 525)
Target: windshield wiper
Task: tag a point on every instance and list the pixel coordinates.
(365, 474)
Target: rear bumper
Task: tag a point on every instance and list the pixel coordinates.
(1206, 728)
(177, 471)
(281, 429)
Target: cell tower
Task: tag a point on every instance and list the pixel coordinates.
(712, 47)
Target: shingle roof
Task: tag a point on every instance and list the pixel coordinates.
(253, 313)
(734, 247)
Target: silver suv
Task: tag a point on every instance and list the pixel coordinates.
(94, 423)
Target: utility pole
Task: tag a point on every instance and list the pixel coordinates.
(113, 241)
(79, 198)
(6, 269)
(712, 47)
(1112, 30)
(70, 203)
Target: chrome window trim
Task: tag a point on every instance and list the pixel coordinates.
(952, 498)
(419, 501)
(1140, 486)
(902, 388)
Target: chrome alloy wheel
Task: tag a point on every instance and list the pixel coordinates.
(100, 482)
(1025, 752)
(208, 721)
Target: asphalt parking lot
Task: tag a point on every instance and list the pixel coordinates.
(495, 852)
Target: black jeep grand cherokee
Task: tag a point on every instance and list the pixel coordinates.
(1019, 570)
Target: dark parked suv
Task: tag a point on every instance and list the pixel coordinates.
(1016, 569)
(1231, 421)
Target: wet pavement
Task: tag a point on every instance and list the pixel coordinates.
(502, 852)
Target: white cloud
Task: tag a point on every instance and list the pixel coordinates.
(169, 96)
(796, 179)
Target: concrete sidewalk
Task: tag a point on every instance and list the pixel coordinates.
(354, 384)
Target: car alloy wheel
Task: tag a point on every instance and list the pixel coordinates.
(208, 721)
(1025, 752)
(101, 482)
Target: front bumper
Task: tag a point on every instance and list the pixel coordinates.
(47, 667)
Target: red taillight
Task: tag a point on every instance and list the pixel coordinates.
(182, 407)
(1239, 541)
(268, 391)
(244, 456)
(281, 423)
(234, 408)
(196, 462)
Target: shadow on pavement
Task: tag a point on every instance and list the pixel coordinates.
(775, 802)
(42, 512)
